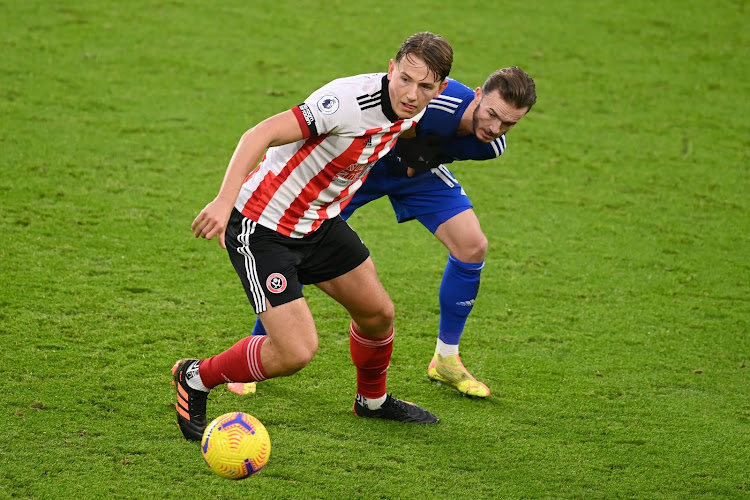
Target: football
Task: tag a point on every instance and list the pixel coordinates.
(236, 445)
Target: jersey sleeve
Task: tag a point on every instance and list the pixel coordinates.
(469, 148)
(329, 110)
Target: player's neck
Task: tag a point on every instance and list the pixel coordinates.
(466, 125)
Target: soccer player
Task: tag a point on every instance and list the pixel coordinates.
(459, 124)
(281, 224)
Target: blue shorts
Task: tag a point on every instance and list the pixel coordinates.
(432, 197)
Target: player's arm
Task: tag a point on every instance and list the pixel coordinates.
(279, 129)
(427, 152)
(469, 148)
(421, 153)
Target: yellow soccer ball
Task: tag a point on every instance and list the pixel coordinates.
(236, 445)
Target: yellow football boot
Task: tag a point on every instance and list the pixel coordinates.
(241, 388)
(449, 370)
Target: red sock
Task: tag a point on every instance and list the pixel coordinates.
(239, 363)
(371, 357)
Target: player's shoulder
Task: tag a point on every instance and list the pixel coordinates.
(349, 105)
(359, 91)
(452, 100)
(458, 90)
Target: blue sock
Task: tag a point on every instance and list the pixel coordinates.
(258, 329)
(458, 291)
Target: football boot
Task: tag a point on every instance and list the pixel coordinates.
(449, 370)
(191, 403)
(395, 409)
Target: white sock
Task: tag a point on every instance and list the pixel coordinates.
(193, 378)
(446, 349)
(371, 403)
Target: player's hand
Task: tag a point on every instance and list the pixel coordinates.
(212, 221)
(420, 154)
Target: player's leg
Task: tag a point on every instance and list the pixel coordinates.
(371, 328)
(258, 328)
(289, 346)
(467, 244)
(371, 332)
(244, 388)
(439, 202)
(371, 336)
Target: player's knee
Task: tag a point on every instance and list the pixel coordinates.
(382, 319)
(379, 319)
(472, 249)
(387, 313)
(295, 358)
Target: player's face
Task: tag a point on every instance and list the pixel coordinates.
(411, 86)
(494, 116)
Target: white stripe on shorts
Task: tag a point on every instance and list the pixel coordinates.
(251, 272)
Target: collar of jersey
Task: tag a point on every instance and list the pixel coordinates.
(385, 102)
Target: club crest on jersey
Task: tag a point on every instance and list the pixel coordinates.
(328, 105)
(352, 173)
(276, 283)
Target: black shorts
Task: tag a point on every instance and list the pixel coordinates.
(274, 267)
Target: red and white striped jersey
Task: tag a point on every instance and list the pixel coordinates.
(348, 125)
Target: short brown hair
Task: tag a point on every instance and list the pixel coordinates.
(433, 49)
(514, 85)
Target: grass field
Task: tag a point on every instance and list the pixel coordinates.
(614, 317)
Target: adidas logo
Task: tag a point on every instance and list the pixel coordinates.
(467, 303)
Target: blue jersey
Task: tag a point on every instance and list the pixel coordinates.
(435, 196)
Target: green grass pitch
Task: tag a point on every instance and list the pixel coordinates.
(613, 322)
